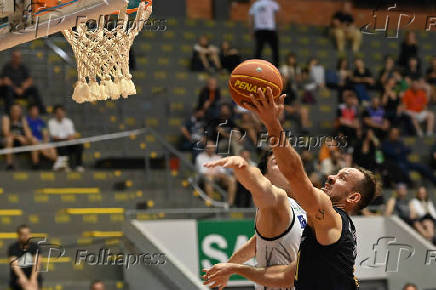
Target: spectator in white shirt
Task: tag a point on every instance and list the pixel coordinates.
(61, 128)
(263, 20)
(423, 213)
(212, 175)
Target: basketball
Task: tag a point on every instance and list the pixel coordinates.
(250, 75)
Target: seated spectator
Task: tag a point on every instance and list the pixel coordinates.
(291, 74)
(374, 117)
(431, 72)
(205, 56)
(97, 285)
(209, 99)
(423, 214)
(18, 84)
(60, 129)
(364, 149)
(213, 175)
(24, 260)
(220, 130)
(412, 70)
(387, 72)
(40, 136)
(229, 56)
(395, 153)
(347, 115)
(16, 132)
(343, 29)
(393, 107)
(310, 87)
(433, 157)
(409, 49)
(401, 84)
(193, 134)
(317, 72)
(410, 286)
(343, 75)
(431, 77)
(398, 204)
(328, 158)
(243, 196)
(362, 80)
(251, 126)
(415, 101)
(295, 111)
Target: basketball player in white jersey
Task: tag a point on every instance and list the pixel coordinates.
(279, 221)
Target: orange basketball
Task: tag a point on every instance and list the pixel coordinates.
(250, 75)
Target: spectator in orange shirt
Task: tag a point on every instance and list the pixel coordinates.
(415, 101)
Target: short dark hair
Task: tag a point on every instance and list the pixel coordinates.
(407, 285)
(368, 188)
(22, 227)
(263, 163)
(31, 106)
(57, 107)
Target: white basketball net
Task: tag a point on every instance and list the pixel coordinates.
(103, 56)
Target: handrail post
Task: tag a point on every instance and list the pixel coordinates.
(168, 174)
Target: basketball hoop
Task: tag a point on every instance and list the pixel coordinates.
(102, 55)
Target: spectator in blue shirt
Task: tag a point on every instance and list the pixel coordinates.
(39, 133)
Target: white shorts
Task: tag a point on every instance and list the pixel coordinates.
(419, 116)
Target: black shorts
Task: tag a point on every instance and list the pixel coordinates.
(426, 217)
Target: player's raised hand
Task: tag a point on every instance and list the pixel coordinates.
(235, 162)
(218, 275)
(266, 108)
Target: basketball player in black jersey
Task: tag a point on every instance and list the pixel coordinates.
(328, 244)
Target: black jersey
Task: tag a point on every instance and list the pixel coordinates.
(327, 267)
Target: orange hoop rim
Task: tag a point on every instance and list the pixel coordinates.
(134, 10)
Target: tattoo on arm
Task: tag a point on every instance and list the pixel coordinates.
(320, 215)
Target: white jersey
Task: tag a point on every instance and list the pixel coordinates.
(283, 249)
(263, 12)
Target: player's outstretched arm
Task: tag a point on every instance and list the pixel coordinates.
(315, 202)
(263, 193)
(244, 253)
(280, 276)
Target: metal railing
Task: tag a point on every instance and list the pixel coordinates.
(191, 173)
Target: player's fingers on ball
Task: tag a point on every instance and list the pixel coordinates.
(269, 96)
(254, 101)
(250, 106)
(282, 99)
(260, 93)
(261, 97)
(257, 102)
